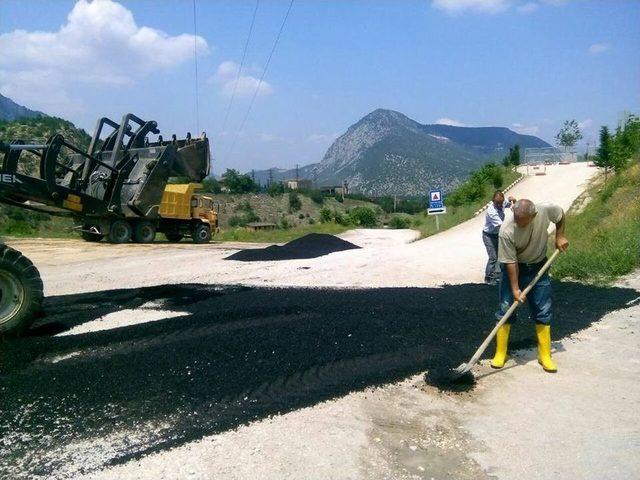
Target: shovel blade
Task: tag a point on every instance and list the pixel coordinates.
(462, 369)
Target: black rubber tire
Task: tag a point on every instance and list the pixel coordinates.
(88, 236)
(144, 232)
(120, 232)
(174, 237)
(201, 233)
(20, 292)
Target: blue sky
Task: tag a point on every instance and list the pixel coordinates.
(526, 65)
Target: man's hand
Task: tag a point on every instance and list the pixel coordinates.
(562, 243)
(519, 296)
(512, 199)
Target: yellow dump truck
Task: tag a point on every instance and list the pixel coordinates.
(186, 213)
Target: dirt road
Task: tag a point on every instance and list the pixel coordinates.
(225, 377)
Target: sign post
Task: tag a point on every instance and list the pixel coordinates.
(436, 206)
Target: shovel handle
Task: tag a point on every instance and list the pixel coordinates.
(512, 308)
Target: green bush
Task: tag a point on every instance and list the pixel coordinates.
(400, 221)
(363, 216)
(340, 218)
(284, 224)
(294, 202)
(276, 189)
(326, 215)
(316, 196)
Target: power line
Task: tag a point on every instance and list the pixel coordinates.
(244, 54)
(195, 59)
(264, 73)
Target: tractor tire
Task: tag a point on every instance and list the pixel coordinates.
(174, 237)
(144, 232)
(90, 236)
(20, 292)
(120, 232)
(201, 233)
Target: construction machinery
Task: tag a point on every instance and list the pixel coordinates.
(20, 292)
(119, 188)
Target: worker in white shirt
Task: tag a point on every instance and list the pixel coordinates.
(492, 221)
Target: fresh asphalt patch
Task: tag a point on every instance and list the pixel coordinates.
(75, 403)
(312, 245)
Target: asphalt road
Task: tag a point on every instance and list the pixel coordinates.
(70, 404)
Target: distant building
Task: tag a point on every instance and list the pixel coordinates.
(335, 190)
(299, 184)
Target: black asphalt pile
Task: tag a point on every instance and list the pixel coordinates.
(310, 246)
(239, 354)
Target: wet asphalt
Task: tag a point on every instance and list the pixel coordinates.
(240, 354)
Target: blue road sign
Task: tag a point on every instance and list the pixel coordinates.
(436, 199)
(436, 203)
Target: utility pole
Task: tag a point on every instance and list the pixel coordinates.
(270, 177)
(253, 175)
(395, 201)
(297, 166)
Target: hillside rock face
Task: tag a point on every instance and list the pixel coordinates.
(10, 110)
(387, 153)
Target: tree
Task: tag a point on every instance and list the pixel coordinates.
(569, 134)
(211, 185)
(512, 159)
(604, 158)
(238, 183)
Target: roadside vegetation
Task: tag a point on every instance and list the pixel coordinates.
(605, 233)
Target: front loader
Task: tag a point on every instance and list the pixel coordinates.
(115, 188)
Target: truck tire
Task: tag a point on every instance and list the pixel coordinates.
(90, 236)
(144, 232)
(20, 292)
(120, 231)
(174, 237)
(201, 233)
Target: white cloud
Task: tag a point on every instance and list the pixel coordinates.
(454, 7)
(226, 75)
(597, 48)
(585, 124)
(527, 8)
(478, 6)
(525, 129)
(100, 44)
(450, 121)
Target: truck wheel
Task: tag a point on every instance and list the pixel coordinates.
(174, 237)
(145, 232)
(120, 232)
(201, 233)
(90, 236)
(20, 292)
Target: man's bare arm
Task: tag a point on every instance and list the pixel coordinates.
(512, 272)
(561, 241)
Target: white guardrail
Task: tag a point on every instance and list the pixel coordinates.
(505, 190)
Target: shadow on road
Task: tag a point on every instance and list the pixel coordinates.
(240, 354)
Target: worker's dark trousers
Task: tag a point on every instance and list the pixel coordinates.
(492, 270)
(539, 298)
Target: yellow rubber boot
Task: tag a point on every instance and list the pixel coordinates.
(502, 340)
(543, 332)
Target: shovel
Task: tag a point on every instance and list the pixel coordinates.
(464, 368)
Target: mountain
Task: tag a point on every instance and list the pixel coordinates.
(387, 153)
(10, 110)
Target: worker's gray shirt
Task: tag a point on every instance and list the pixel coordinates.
(528, 244)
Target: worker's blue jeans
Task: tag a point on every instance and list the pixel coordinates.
(538, 299)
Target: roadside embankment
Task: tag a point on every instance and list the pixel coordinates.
(604, 233)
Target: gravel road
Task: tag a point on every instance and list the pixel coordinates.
(167, 361)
